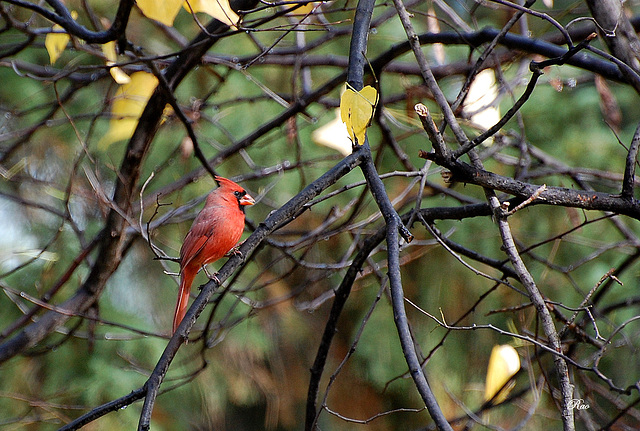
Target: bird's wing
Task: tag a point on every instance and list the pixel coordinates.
(195, 241)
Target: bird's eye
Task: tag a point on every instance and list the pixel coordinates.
(239, 194)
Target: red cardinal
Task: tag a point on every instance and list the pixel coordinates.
(214, 232)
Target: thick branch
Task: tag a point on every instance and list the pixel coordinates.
(561, 196)
(619, 35)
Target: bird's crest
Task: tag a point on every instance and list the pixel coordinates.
(222, 182)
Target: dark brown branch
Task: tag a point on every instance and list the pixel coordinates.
(98, 412)
(561, 196)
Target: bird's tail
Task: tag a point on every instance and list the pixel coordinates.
(186, 279)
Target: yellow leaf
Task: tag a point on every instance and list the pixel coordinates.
(164, 11)
(128, 104)
(504, 363)
(109, 51)
(56, 43)
(306, 9)
(333, 135)
(356, 110)
(219, 9)
(118, 74)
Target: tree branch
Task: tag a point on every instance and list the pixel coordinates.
(628, 180)
(619, 35)
(589, 200)
(566, 387)
(63, 18)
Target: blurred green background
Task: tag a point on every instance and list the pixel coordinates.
(252, 373)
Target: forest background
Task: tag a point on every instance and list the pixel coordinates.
(504, 138)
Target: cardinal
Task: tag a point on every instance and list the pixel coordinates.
(214, 232)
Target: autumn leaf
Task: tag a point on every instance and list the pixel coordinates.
(109, 51)
(128, 104)
(305, 9)
(164, 11)
(218, 9)
(56, 43)
(356, 110)
(504, 363)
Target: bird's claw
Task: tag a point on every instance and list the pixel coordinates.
(235, 251)
(213, 276)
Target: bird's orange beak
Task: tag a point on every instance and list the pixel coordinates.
(246, 200)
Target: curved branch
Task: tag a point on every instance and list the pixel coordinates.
(63, 18)
(98, 412)
(406, 339)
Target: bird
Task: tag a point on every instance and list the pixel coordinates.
(214, 232)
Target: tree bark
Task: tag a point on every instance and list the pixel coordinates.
(619, 35)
